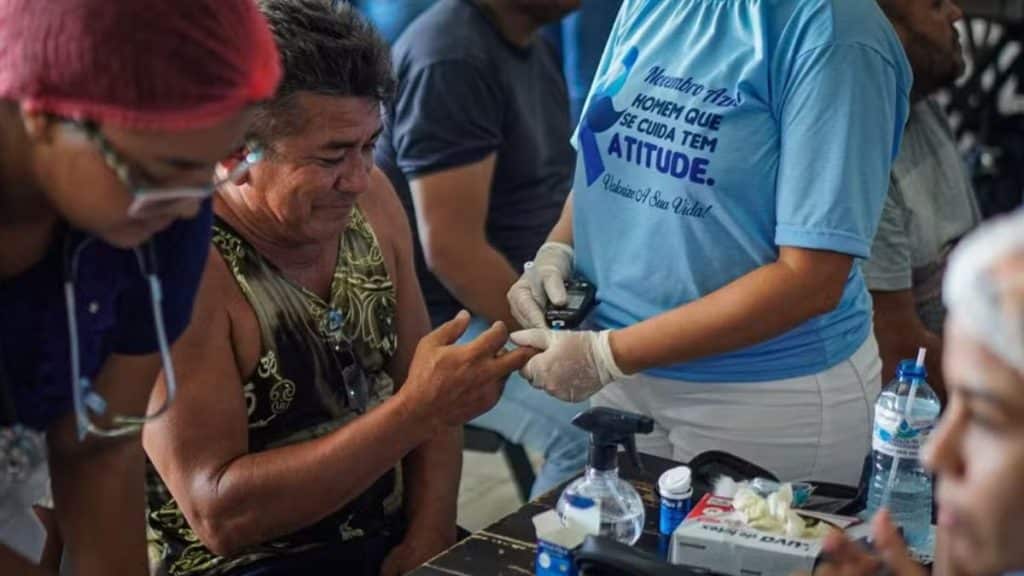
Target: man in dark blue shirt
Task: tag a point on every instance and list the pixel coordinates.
(477, 146)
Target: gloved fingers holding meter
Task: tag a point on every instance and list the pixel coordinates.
(550, 302)
(572, 366)
(543, 281)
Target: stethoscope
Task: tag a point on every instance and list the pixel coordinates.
(88, 402)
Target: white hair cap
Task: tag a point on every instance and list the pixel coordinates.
(988, 303)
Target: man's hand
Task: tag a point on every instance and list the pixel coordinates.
(541, 282)
(454, 384)
(573, 365)
(848, 559)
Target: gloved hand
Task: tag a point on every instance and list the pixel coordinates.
(573, 365)
(543, 280)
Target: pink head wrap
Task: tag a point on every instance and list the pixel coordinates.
(150, 64)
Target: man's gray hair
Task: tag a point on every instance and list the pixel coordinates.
(326, 48)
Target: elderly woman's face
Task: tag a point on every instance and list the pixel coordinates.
(977, 454)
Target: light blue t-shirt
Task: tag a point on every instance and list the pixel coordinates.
(718, 131)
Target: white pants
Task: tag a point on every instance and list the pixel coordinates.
(815, 427)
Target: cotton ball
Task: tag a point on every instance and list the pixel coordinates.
(725, 487)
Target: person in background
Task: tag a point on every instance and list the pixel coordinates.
(317, 429)
(477, 145)
(930, 204)
(391, 17)
(732, 162)
(580, 36)
(584, 36)
(977, 450)
(113, 115)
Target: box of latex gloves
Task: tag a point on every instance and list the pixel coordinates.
(749, 535)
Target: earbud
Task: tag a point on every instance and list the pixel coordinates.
(254, 156)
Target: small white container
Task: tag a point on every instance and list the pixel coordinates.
(676, 491)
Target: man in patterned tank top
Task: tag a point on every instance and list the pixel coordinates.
(317, 424)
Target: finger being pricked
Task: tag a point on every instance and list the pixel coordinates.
(508, 361)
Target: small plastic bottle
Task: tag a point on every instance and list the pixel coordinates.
(676, 492)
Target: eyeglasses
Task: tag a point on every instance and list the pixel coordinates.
(87, 400)
(147, 196)
(354, 378)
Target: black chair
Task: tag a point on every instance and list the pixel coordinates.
(479, 439)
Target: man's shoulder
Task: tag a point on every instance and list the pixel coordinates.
(450, 31)
(810, 24)
(223, 310)
(219, 289)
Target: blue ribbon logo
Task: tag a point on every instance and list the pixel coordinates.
(601, 115)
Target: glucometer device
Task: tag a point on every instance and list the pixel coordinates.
(580, 299)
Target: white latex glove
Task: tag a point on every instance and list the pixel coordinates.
(573, 365)
(543, 280)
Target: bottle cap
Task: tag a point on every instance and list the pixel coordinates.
(675, 483)
(911, 370)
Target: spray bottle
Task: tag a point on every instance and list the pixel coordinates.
(622, 509)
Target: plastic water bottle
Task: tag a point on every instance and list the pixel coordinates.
(905, 414)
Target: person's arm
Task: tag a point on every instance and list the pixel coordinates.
(448, 126)
(431, 471)
(757, 306)
(451, 214)
(901, 333)
(233, 498)
(98, 484)
(889, 276)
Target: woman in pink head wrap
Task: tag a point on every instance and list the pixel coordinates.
(113, 117)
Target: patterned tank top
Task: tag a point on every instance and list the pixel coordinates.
(322, 364)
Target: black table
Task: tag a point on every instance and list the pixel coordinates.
(508, 547)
